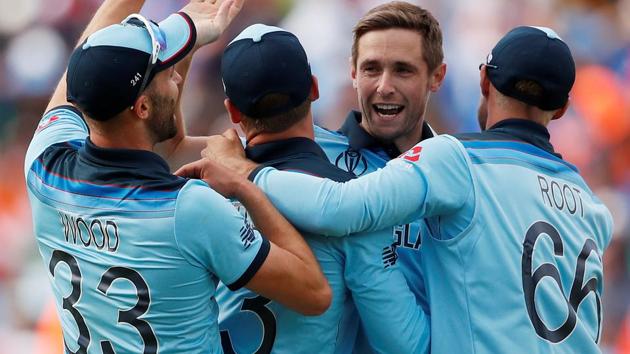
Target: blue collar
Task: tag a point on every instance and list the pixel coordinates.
(295, 154)
(359, 139)
(140, 160)
(525, 131)
(283, 149)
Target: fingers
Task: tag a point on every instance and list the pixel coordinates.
(222, 19)
(191, 170)
(214, 140)
(235, 9)
(231, 135)
(206, 152)
(211, 142)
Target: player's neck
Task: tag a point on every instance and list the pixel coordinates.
(510, 108)
(120, 133)
(407, 141)
(501, 115)
(301, 129)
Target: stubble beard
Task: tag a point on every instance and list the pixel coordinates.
(162, 125)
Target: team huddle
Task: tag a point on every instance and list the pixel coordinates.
(379, 237)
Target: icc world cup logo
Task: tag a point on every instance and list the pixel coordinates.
(352, 161)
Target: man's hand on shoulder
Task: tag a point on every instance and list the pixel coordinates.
(227, 150)
(223, 165)
(226, 145)
(223, 180)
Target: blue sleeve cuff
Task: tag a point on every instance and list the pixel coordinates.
(258, 261)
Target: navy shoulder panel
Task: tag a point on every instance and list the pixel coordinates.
(64, 161)
(316, 167)
(308, 165)
(485, 136)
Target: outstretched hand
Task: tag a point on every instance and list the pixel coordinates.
(211, 17)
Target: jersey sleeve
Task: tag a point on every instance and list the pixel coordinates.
(392, 319)
(212, 234)
(433, 178)
(64, 123)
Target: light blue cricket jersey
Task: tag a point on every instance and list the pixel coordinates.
(354, 150)
(133, 253)
(513, 264)
(361, 270)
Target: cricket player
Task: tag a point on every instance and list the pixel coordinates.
(270, 89)
(513, 259)
(133, 253)
(396, 64)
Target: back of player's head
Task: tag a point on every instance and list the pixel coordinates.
(534, 66)
(267, 77)
(403, 15)
(108, 71)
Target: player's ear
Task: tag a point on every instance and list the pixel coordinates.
(233, 112)
(559, 113)
(437, 77)
(353, 72)
(142, 106)
(314, 95)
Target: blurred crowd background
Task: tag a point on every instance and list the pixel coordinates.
(36, 37)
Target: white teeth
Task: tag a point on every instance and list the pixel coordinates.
(387, 106)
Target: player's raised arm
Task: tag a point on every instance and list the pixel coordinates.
(211, 19)
(67, 123)
(110, 12)
(410, 187)
(418, 184)
(407, 189)
(290, 274)
(391, 196)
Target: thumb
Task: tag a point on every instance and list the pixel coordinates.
(191, 170)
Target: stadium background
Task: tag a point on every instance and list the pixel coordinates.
(36, 37)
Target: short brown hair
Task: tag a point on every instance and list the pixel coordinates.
(400, 14)
(278, 122)
(529, 88)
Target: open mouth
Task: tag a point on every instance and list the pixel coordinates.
(388, 110)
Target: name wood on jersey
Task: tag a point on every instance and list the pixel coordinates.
(101, 234)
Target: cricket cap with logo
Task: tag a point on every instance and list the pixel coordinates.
(265, 60)
(109, 71)
(537, 54)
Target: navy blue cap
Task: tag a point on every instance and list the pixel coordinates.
(537, 54)
(264, 60)
(105, 73)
